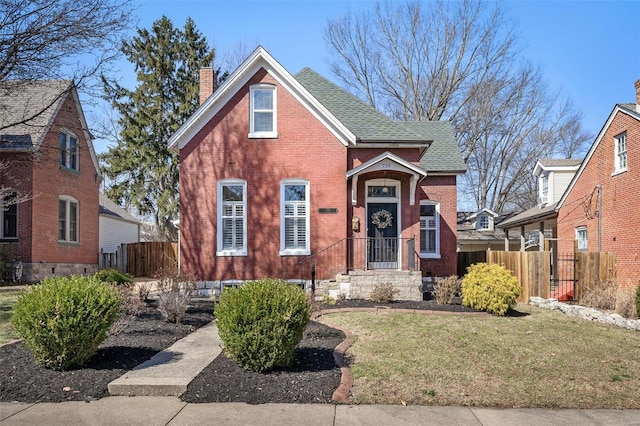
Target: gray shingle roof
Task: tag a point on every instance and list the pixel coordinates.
(27, 109)
(109, 208)
(444, 154)
(370, 125)
(529, 216)
(555, 162)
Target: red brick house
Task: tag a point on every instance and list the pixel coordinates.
(50, 164)
(279, 171)
(599, 210)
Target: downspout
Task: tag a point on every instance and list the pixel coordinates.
(599, 217)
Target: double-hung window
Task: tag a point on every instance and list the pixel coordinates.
(68, 151)
(581, 236)
(68, 213)
(9, 216)
(263, 117)
(544, 189)
(232, 218)
(620, 143)
(294, 225)
(429, 229)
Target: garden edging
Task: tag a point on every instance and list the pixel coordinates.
(590, 314)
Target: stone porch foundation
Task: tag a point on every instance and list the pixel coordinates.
(360, 284)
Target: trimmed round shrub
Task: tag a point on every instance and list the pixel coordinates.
(113, 276)
(490, 288)
(261, 323)
(64, 320)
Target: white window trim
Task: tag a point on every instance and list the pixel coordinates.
(67, 160)
(220, 250)
(264, 135)
(544, 195)
(489, 219)
(617, 167)
(68, 199)
(295, 252)
(586, 243)
(436, 254)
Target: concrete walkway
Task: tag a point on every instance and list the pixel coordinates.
(148, 411)
(170, 371)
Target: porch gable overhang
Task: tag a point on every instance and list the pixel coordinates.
(387, 162)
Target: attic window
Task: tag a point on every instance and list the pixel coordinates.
(621, 153)
(484, 223)
(263, 117)
(68, 151)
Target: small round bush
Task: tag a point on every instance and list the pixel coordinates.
(490, 288)
(262, 322)
(63, 320)
(113, 276)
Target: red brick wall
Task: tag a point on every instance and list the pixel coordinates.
(620, 204)
(18, 176)
(304, 149)
(50, 181)
(443, 190)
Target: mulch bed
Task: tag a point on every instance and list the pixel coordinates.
(21, 379)
(312, 378)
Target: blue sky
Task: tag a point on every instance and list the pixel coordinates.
(588, 50)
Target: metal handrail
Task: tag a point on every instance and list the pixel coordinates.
(363, 253)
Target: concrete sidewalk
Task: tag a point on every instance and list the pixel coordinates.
(147, 410)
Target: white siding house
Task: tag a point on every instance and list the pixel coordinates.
(117, 226)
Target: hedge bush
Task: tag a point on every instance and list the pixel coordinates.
(113, 276)
(490, 288)
(63, 320)
(261, 323)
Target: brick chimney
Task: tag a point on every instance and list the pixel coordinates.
(637, 92)
(206, 83)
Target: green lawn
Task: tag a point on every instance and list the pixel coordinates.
(8, 297)
(537, 359)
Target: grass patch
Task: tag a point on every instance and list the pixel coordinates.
(8, 298)
(537, 359)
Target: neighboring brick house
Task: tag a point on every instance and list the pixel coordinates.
(275, 168)
(600, 208)
(51, 165)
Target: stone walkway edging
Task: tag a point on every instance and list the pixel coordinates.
(346, 380)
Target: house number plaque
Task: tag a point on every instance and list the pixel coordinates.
(328, 210)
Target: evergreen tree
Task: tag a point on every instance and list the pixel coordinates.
(142, 171)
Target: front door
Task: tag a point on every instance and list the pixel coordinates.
(382, 233)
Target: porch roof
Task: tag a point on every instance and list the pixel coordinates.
(386, 162)
(532, 215)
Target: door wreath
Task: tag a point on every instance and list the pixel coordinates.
(382, 219)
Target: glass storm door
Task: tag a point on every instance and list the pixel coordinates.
(382, 233)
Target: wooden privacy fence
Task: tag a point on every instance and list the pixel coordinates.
(468, 258)
(145, 259)
(532, 268)
(593, 268)
(116, 260)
